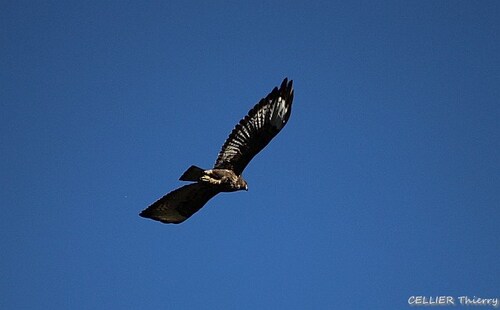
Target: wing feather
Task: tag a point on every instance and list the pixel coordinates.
(180, 204)
(263, 122)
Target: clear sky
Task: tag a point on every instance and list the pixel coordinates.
(385, 183)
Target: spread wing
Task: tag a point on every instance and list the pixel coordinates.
(264, 121)
(180, 204)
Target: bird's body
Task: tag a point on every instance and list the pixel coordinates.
(264, 121)
(225, 180)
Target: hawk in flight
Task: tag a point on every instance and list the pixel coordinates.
(264, 121)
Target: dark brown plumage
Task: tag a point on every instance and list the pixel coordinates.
(263, 122)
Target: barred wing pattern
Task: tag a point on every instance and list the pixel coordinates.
(180, 204)
(263, 122)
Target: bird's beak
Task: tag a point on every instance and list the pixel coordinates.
(246, 187)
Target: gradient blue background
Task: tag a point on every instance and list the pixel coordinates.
(384, 184)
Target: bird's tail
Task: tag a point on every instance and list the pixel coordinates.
(192, 174)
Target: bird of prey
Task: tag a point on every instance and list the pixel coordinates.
(263, 122)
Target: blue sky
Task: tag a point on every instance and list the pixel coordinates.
(384, 184)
